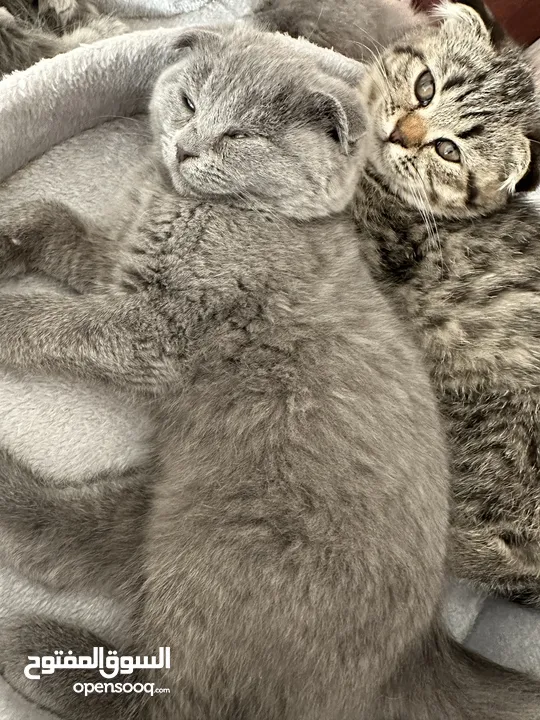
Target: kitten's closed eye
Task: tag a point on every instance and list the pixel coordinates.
(188, 103)
(239, 135)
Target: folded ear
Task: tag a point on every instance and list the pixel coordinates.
(328, 61)
(343, 122)
(530, 180)
(475, 13)
(197, 37)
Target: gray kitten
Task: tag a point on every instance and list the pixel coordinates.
(357, 27)
(290, 548)
(452, 141)
(29, 33)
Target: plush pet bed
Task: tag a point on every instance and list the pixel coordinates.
(70, 129)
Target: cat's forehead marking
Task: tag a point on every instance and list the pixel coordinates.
(410, 51)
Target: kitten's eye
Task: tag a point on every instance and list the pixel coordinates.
(448, 150)
(425, 88)
(237, 135)
(188, 102)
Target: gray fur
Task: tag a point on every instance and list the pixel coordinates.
(294, 527)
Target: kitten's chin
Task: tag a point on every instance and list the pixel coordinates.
(189, 188)
(391, 175)
(388, 171)
(183, 187)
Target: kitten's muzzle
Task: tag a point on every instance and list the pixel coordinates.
(410, 131)
(397, 138)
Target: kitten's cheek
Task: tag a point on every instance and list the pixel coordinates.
(387, 127)
(368, 90)
(168, 153)
(394, 153)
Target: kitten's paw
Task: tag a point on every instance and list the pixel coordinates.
(98, 29)
(23, 230)
(18, 223)
(42, 638)
(69, 13)
(499, 559)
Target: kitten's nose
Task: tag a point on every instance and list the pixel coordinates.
(397, 137)
(183, 154)
(410, 131)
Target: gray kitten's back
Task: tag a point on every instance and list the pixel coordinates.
(312, 510)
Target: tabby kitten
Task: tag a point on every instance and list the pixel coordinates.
(29, 33)
(290, 549)
(452, 141)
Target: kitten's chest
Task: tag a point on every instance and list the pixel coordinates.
(478, 266)
(198, 264)
(472, 292)
(408, 259)
(176, 246)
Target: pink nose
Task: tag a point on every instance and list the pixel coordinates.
(397, 137)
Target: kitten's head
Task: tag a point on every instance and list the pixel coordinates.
(452, 114)
(260, 120)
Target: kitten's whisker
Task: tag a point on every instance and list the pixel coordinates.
(359, 27)
(318, 21)
(374, 54)
(377, 63)
(428, 215)
(429, 207)
(433, 220)
(118, 117)
(376, 58)
(422, 209)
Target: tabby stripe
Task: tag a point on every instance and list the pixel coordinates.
(453, 82)
(471, 132)
(479, 79)
(375, 178)
(465, 65)
(409, 50)
(465, 94)
(433, 194)
(477, 114)
(472, 189)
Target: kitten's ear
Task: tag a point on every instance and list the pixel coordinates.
(196, 37)
(478, 12)
(531, 178)
(342, 122)
(328, 61)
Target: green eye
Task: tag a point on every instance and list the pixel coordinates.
(448, 150)
(425, 88)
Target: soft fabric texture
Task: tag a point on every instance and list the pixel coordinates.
(78, 109)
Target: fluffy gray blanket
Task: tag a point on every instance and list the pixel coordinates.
(70, 129)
